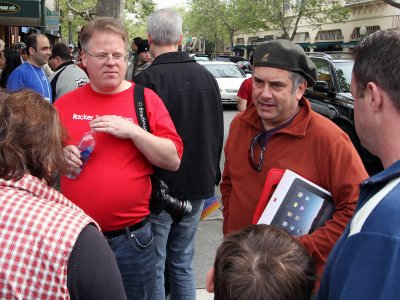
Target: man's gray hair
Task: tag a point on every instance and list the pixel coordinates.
(297, 79)
(164, 27)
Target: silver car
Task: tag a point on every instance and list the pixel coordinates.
(229, 77)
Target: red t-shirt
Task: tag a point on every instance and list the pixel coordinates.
(245, 91)
(114, 186)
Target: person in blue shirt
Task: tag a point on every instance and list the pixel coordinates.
(365, 262)
(30, 74)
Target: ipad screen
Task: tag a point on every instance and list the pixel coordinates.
(303, 209)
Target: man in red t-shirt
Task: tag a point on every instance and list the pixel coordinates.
(244, 95)
(114, 186)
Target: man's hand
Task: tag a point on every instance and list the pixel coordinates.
(241, 103)
(161, 152)
(114, 125)
(72, 157)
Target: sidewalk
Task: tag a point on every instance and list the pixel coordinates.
(202, 294)
(208, 238)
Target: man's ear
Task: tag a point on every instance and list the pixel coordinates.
(84, 57)
(377, 96)
(210, 280)
(300, 90)
(31, 51)
(180, 40)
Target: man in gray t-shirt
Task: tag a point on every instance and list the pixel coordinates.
(67, 76)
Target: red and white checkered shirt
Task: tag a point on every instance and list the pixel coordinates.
(38, 229)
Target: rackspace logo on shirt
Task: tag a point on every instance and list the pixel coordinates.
(86, 117)
(83, 117)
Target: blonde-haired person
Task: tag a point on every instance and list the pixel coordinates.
(114, 188)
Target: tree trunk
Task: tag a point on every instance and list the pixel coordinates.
(114, 9)
(231, 42)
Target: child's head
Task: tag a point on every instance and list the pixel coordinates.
(261, 262)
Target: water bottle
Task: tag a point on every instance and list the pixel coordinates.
(86, 147)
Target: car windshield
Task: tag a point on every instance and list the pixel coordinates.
(201, 58)
(225, 71)
(344, 69)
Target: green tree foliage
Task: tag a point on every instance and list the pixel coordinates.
(286, 15)
(132, 12)
(223, 19)
(202, 21)
(140, 8)
(218, 20)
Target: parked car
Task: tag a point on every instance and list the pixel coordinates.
(245, 66)
(229, 77)
(331, 97)
(233, 59)
(200, 57)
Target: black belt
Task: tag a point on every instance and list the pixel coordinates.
(126, 230)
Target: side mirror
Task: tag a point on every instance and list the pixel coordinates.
(321, 86)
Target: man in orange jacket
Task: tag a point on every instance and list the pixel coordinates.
(279, 130)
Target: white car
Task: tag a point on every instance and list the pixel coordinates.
(229, 77)
(200, 57)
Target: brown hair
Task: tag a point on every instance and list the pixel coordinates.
(262, 262)
(102, 24)
(60, 50)
(31, 137)
(31, 41)
(377, 59)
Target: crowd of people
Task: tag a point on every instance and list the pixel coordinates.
(156, 114)
(37, 65)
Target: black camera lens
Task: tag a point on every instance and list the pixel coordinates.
(177, 208)
(160, 200)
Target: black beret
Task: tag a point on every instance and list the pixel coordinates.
(286, 55)
(142, 46)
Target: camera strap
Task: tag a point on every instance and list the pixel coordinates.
(155, 205)
(159, 195)
(140, 107)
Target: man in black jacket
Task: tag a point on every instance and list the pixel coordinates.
(191, 95)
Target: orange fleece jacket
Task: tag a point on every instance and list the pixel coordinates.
(311, 146)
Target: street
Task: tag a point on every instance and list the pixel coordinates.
(209, 231)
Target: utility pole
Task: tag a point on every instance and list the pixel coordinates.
(43, 16)
(70, 18)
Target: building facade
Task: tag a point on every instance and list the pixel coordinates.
(19, 18)
(365, 18)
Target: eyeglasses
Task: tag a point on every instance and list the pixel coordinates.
(257, 150)
(105, 57)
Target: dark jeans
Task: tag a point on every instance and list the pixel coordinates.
(136, 259)
(175, 242)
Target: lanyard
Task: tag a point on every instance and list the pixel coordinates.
(41, 84)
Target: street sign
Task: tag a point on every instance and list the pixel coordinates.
(7, 8)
